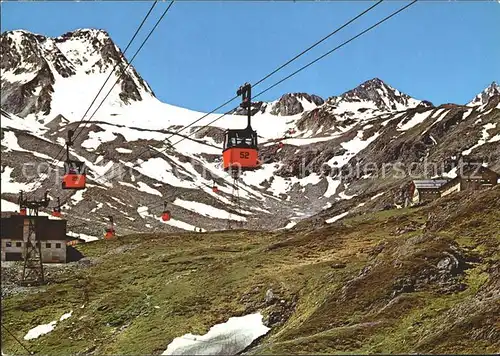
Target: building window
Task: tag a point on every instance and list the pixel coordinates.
(48, 245)
(8, 244)
(19, 244)
(58, 245)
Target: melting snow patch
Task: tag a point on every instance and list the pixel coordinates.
(85, 237)
(207, 210)
(495, 138)
(8, 206)
(96, 138)
(40, 330)
(483, 139)
(143, 187)
(123, 150)
(99, 206)
(332, 187)
(228, 338)
(78, 196)
(66, 316)
(415, 120)
(377, 195)
(336, 217)
(45, 328)
(9, 185)
(161, 170)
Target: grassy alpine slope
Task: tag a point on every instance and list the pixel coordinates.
(398, 281)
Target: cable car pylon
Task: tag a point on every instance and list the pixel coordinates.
(33, 266)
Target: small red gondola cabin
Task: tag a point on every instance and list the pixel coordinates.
(240, 146)
(74, 171)
(56, 212)
(109, 233)
(165, 215)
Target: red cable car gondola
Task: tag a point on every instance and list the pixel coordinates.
(240, 146)
(56, 212)
(165, 215)
(110, 229)
(21, 202)
(215, 189)
(74, 171)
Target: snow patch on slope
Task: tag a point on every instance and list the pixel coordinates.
(228, 338)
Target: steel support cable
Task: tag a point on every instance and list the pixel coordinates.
(304, 67)
(258, 82)
(299, 70)
(18, 341)
(309, 64)
(274, 71)
(128, 65)
(56, 159)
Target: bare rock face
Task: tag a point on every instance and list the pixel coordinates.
(32, 63)
(290, 104)
(483, 98)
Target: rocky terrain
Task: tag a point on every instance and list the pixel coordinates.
(320, 242)
(413, 280)
(321, 156)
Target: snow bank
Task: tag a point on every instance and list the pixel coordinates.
(143, 187)
(336, 217)
(207, 210)
(414, 121)
(484, 138)
(85, 237)
(40, 330)
(123, 150)
(43, 329)
(228, 338)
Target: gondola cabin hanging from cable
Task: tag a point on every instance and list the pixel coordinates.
(74, 171)
(165, 215)
(22, 204)
(109, 233)
(240, 145)
(56, 212)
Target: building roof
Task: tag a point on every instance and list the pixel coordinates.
(429, 183)
(46, 229)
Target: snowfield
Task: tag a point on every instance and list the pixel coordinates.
(228, 338)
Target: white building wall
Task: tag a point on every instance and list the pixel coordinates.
(52, 250)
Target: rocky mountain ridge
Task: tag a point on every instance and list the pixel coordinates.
(308, 145)
(31, 64)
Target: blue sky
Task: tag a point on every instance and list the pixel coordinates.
(202, 51)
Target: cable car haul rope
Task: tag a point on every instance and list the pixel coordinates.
(240, 147)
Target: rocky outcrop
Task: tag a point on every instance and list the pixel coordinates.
(32, 63)
(482, 98)
(291, 104)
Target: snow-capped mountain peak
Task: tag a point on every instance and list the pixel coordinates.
(38, 70)
(375, 94)
(483, 97)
